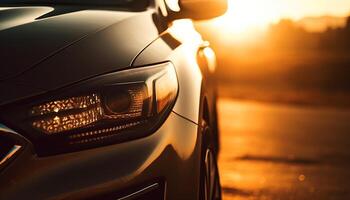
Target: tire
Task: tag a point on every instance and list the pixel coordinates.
(210, 180)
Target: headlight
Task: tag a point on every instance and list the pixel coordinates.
(105, 110)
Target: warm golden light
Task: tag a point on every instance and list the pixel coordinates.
(245, 17)
(247, 14)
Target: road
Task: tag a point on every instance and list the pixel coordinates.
(284, 152)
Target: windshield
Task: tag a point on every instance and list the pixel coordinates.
(75, 2)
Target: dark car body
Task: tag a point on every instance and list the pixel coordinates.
(50, 51)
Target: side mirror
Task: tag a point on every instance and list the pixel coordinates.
(201, 9)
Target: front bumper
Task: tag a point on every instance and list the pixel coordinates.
(169, 158)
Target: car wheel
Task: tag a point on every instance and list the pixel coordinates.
(210, 180)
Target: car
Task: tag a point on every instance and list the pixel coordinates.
(107, 99)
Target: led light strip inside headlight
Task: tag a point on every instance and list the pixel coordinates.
(68, 114)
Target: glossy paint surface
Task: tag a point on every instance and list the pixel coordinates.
(180, 45)
(27, 39)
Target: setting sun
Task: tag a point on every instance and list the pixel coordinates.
(246, 14)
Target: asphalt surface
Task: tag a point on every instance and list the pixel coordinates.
(284, 152)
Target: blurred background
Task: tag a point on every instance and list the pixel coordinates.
(284, 85)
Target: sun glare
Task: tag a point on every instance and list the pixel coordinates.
(245, 18)
(244, 15)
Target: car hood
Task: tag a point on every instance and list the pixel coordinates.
(45, 48)
(28, 37)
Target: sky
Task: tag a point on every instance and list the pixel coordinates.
(246, 15)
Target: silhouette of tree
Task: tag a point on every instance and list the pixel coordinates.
(347, 27)
(288, 35)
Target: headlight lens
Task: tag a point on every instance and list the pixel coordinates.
(109, 109)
